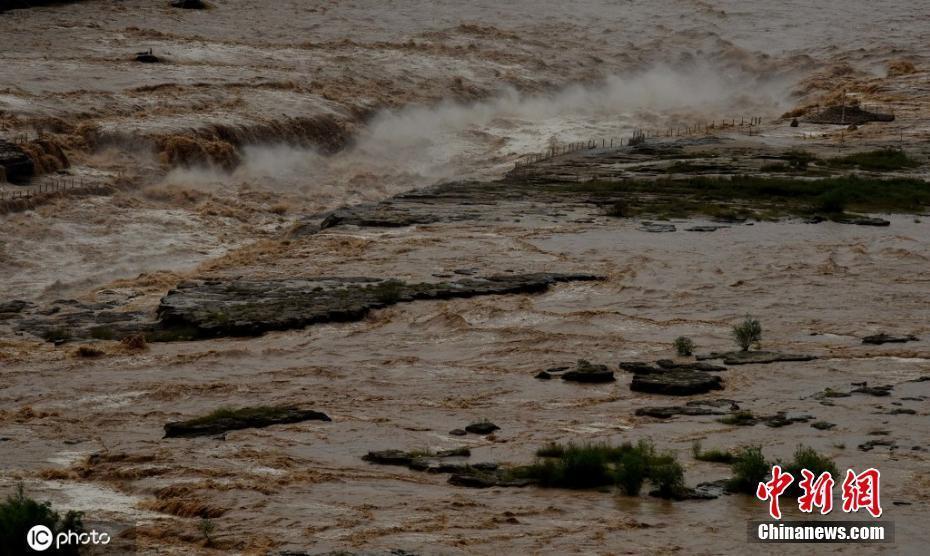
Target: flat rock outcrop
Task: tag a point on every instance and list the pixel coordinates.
(252, 307)
(754, 357)
(879, 339)
(244, 418)
(676, 383)
(219, 308)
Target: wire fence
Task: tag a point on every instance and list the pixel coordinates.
(747, 126)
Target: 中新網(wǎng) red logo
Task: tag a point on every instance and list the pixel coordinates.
(860, 491)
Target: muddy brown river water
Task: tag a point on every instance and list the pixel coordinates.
(245, 130)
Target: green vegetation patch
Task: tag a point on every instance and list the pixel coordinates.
(755, 196)
(882, 160)
(582, 466)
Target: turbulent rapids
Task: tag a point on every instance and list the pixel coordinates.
(459, 278)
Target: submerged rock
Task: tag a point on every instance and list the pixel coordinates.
(676, 383)
(656, 228)
(589, 373)
(416, 460)
(244, 418)
(672, 411)
(705, 228)
(861, 220)
(879, 339)
(879, 391)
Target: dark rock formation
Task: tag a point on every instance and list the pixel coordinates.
(189, 4)
(870, 444)
(858, 220)
(147, 57)
(478, 478)
(483, 427)
(706, 228)
(587, 372)
(14, 307)
(15, 164)
(676, 383)
(879, 339)
(638, 367)
(382, 215)
(690, 366)
(245, 418)
(879, 391)
(754, 357)
(672, 411)
(823, 425)
(846, 115)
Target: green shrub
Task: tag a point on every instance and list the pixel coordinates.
(747, 333)
(806, 457)
(633, 469)
(832, 202)
(798, 159)
(18, 514)
(684, 346)
(619, 209)
(879, 160)
(749, 469)
(713, 456)
(627, 466)
(668, 476)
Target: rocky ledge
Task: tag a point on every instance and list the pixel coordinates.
(754, 357)
(224, 420)
(251, 307)
(210, 309)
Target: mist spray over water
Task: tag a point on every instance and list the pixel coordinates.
(416, 146)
